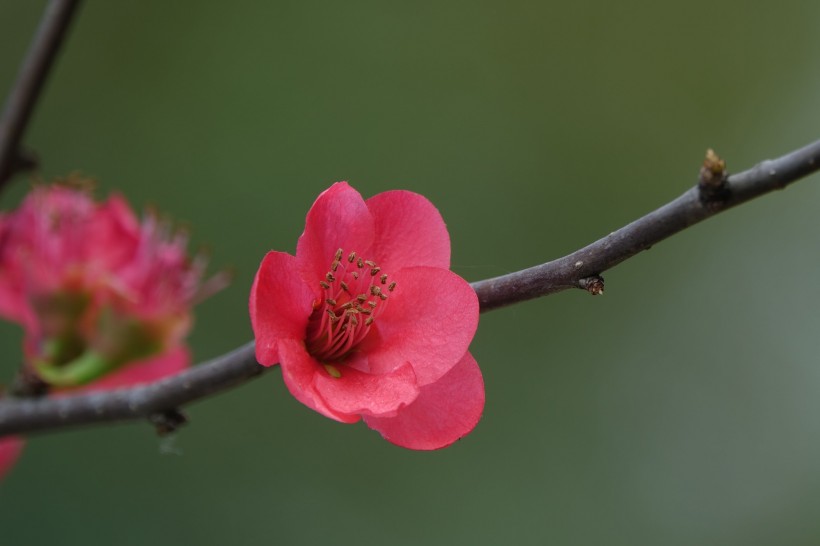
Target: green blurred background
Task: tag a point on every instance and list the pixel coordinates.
(680, 408)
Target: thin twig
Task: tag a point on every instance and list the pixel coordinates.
(581, 269)
(688, 209)
(29, 83)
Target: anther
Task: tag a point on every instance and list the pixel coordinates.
(351, 307)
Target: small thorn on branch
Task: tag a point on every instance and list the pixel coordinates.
(594, 285)
(28, 384)
(168, 421)
(713, 178)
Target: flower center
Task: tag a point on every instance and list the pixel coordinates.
(355, 292)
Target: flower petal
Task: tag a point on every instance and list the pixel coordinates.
(142, 371)
(409, 231)
(368, 394)
(14, 305)
(300, 372)
(443, 412)
(338, 219)
(430, 320)
(280, 305)
(113, 233)
(10, 449)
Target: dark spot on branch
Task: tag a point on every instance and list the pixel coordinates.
(168, 421)
(28, 384)
(594, 285)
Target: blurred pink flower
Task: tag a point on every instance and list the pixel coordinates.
(368, 321)
(96, 290)
(104, 299)
(10, 449)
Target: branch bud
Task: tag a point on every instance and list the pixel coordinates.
(713, 176)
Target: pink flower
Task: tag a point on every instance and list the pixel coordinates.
(367, 320)
(97, 291)
(10, 449)
(104, 299)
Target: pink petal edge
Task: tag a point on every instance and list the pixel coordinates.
(300, 370)
(430, 321)
(444, 411)
(362, 393)
(338, 219)
(10, 449)
(280, 305)
(409, 231)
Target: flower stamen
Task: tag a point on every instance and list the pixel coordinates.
(344, 316)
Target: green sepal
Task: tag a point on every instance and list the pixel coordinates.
(65, 364)
(85, 368)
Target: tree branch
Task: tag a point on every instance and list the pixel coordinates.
(696, 205)
(145, 402)
(581, 269)
(30, 80)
